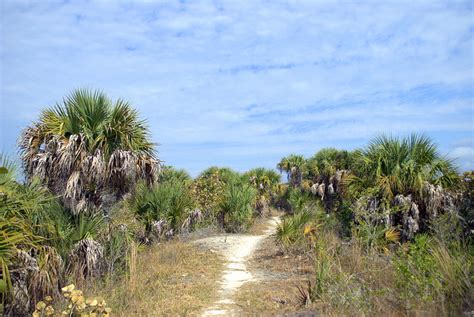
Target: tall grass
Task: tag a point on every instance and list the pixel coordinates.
(372, 273)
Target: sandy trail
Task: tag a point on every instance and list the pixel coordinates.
(237, 249)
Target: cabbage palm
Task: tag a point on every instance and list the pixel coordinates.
(88, 146)
(263, 179)
(394, 166)
(294, 166)
(401, 182)
(326, 162)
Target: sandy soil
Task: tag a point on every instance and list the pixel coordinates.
(236, 249)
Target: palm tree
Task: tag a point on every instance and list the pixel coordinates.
(326, 169)
(406, 179)
(265, 181)
(401, 166)
(294, 166)
(89, 150)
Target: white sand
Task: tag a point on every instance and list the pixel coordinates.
(236, 249)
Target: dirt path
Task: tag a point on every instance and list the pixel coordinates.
(237, 249)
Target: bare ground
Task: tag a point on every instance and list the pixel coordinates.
(236, 249)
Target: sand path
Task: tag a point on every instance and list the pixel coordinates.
(236, 249)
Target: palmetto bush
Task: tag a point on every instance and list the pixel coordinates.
(27, 266)
(237, 206)
(262, 179)
(170, 174)
(290, 230)
(169, 203)
(87, 147)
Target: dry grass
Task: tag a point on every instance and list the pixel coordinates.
(277, 292)
(171, 279)
(278, 276)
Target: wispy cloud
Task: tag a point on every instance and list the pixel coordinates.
(242, 84)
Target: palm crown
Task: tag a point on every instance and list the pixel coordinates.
(87, 146)
(395, 166)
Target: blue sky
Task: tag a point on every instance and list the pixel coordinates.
(244, 83)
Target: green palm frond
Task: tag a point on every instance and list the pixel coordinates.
(87, 145)
(401, 166)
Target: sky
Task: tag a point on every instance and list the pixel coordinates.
(244, 83)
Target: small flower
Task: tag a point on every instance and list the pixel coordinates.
(36, 314)
(48, 299)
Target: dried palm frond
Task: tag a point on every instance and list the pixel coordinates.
(305, 293)
(88, 146)
(194, 217)
(86, 259)
(73, 186)
(122, 169)
(158, 228)
(321, 190)
(43, 163)
(49, 276)
(392, 235)
(94, 168)
(25, 266)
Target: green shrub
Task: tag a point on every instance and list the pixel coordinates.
(298, 199)
(237, 206)
(170, 174)
(170, 201)
(290, 230)
(208, 190)
(428, 271)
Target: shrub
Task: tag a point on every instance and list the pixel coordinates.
(208, 190)
(237, 206)
(170, 174)
(298, 199)
(290, 230)
(169, 201)
(428, 271)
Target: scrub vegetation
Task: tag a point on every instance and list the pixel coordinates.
(100, 226)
